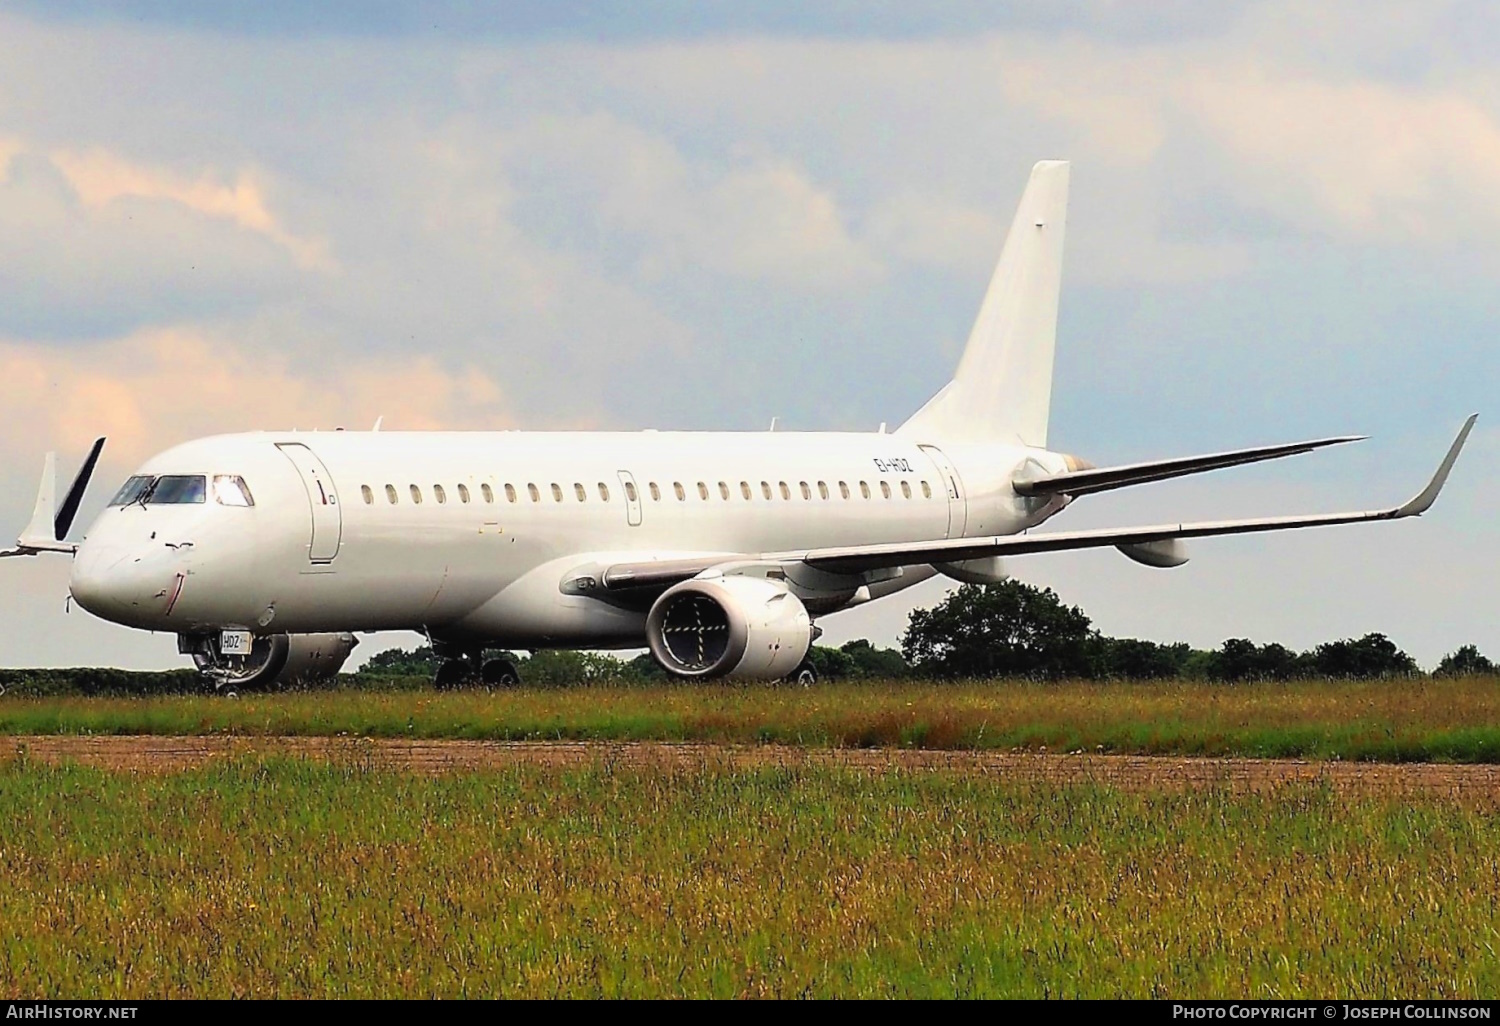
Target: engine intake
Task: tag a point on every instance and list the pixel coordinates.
(745, 627)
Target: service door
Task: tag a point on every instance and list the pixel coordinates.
(632, 498)
(327, 519)
(958, 505)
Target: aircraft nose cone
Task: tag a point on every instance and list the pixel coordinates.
(91, 584)
(115, 585)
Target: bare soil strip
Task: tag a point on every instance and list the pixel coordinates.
(1129, 772)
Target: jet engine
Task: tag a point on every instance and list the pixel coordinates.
(745, 627)
(287, 659)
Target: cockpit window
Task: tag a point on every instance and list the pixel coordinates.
(231, 490)
(169, 490)
(176, 490)
(131, 490)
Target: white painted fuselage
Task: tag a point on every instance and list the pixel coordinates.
(472, 537)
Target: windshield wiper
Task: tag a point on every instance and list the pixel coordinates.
(146, 493)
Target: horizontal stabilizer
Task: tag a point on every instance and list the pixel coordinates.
(1103, 479)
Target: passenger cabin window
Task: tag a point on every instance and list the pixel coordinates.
(416, 495)
(905, 490)
(580, 491)
(926, 491)
(630, 493)
(510, 492)
(655, 492)
(864, 489)
(231, 490)
(368, 494)
(885, 490)
(823, 489)
(390, 494)
(487, 493)
(536, 495)
(439, 494)
(844, 489)
(556, 492)
(677, 490)
(786, 493)
(603, 492)
(765, 489)
(463, 493)
(806, 491)
(702, 490)
(724, 490)
(745, 489)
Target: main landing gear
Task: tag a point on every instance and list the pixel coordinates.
(468, 670)
(804, 675)
(453, 674)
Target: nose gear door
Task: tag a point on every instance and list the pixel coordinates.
(327, 519)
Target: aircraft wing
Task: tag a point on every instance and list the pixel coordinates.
(49, 522)
(860, 559)
(1102, 479)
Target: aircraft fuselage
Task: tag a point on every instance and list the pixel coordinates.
(472, 535)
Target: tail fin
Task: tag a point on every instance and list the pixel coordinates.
(1003, 387)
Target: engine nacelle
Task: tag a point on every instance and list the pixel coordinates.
(275, 658)
(745, 627)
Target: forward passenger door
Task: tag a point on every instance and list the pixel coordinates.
(322, 497)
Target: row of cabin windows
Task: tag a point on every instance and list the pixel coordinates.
(440, 494)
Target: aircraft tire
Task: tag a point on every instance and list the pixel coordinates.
(499, 673)
(804, 675)
(452, 674)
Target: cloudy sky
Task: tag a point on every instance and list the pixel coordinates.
(1285, 223)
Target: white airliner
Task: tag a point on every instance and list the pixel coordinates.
(264, 552)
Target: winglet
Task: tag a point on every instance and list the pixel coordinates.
(64, 520)
(39, 532)
(1423, 502)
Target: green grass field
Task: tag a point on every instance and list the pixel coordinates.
(289, 878)
(1455, 720)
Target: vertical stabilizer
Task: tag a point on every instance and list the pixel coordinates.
(1003, 388)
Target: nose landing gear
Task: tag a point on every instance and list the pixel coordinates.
(273, 660)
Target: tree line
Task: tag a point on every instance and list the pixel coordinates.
(1011, 629)
(1014, 629)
